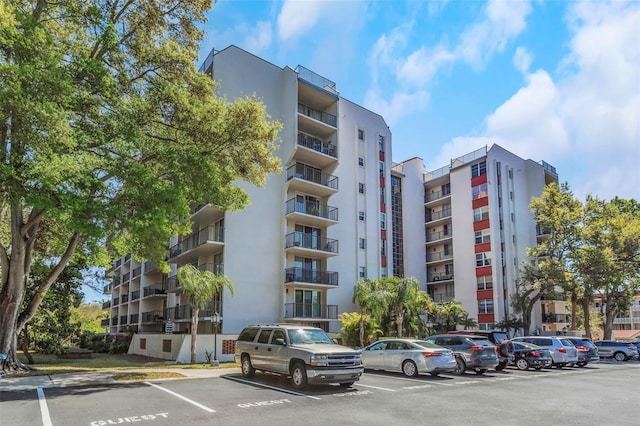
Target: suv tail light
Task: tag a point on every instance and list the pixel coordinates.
(476, 347)
(430, 354)
(582, 348)
(535, 354)
(562, 350)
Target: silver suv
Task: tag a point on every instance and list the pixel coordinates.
(620, 351)
(307, 354)
(563, 351)
(471, 352)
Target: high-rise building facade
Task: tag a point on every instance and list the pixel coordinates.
(477, 226)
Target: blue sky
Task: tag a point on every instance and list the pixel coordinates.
(549, 80)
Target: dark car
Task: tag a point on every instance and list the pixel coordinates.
(471, 352)
(587, 351)
(528, 355)
(500, 339)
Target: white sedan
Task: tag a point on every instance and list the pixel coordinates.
(409, 356)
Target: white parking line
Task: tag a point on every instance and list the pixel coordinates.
(236, 379)
(375, 387)
(184, 398)
(44, 410)
(409, 379)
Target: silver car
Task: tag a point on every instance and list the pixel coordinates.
(563, 351)
(620, 351)
(409, 356)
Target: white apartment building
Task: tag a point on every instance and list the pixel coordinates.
(295, 253)
(477, 225)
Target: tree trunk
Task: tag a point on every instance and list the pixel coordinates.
(399, 321)
(25, 345)
(194, 332)
(608, 324)
(586, 310)
(574, 311)
(361, 330)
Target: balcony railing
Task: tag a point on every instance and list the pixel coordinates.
(135, 295)
(311, 174)
(313, 208)
(172, 283)
(432, 196)
(310, 241)
(216, 268)
(185, 312)
(317, 144)
(325, 117)
(152, 316)
(312, 276)
(210, 233)
(438, 215)
(106, 305)
(105, 322)
(554, 318)
(149, 266)
(124, 298)
(106, 289)
(116, 301)
(444, 297)
(440, 276)
(152, 290)
(439, 255)
(133, 318)
(315, 78)
(434, 236)
(136, 271)
(116, 281)
(125, 277)
(123, 319)
(541, 230)
(114, 321)
(310, 310)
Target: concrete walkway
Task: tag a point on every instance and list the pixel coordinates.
(18, 382)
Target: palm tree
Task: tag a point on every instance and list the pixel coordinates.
(467, 322)
(371, 296)
(199, 287)
(405, 294)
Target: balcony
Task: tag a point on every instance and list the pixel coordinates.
(311, 276)
(310, 311)
(439, 215)
(300, 243)
(317, 115)
(125, 277)
(114, 321)
(173, 284)
(152, 317)
(149, 266)
(554, 318)
(208, 240)
(439, 256)
(136, 271)
(312, 213)
(439, 236)
(314, 150)
(443, 297)
(134, 318)
(154, 290)
(184, 312)
(439, 277)
(116, 281)
(116, 301)
(310, 180)
(135, 295)
(106, 305)
(124, 320)
(124, 298)
(433, 199)
(105, 322)
(106, 289)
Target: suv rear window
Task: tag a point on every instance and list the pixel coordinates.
(248, 334)
(481, 341)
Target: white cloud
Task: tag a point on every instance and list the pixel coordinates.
(299, 17)
(522, 59)
(400, 104)
(259, 39)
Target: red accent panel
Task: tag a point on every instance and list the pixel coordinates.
(481, 248)
(479, 180)
(383, 234)
(484, 294)
(484, 201)
(481, 224)
(502, 247)
(485, 318)
(383, 261)
(483, 270)
(381, 182)
(381, 155)
(383, 207)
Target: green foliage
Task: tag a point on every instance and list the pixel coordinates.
(350, 334)
(88, 316)
(447, 315)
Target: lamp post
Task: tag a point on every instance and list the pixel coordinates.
(216, 319)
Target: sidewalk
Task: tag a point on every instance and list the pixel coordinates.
(86, 378)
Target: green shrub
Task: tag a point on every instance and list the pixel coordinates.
(350, 335)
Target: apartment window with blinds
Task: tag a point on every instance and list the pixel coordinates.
(381, 142)
(362, 272)
(381, 167)
(362, 243)
(479, 191)
(361, 134)
(360, 161)
(361, 188)
(361, 216)
(485, 306)
(481, 213)
(483, 236)
(383, 221)
(478, 169)
(485, 282)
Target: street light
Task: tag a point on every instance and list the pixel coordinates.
(216, 319)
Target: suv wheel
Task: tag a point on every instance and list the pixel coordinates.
(409, 368)
(522, 364)
(460, 366)
(247, 369)
(619, 356)
(299, 375)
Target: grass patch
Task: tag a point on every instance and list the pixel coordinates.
(51, 364)
(150, 375)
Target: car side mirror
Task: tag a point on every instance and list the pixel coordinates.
(280, 341)
(335, 341)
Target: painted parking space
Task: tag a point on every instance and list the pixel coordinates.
(20, 408)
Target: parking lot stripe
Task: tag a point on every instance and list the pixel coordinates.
(44, 410)
(184, 398)
(375, 387)
(236, 379)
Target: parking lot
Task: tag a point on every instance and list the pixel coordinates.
(602, 393)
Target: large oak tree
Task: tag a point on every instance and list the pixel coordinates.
(107, 135)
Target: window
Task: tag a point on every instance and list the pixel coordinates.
(360, 161)
(485, 282)
(381, 167)
(478, 169)
(381, 142)
(485, 306)
(361, 134)
(383, 272)
(446, 189)
(362, 272)
(361, 216)
(513, 217)
(264, 335)
(479, 191)
(481, 213)
(383, 221)
(362, 243)
(483, 236)
(510, 173)
(511, 195)
(483, 259)
(361, 188)
(383, 247)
